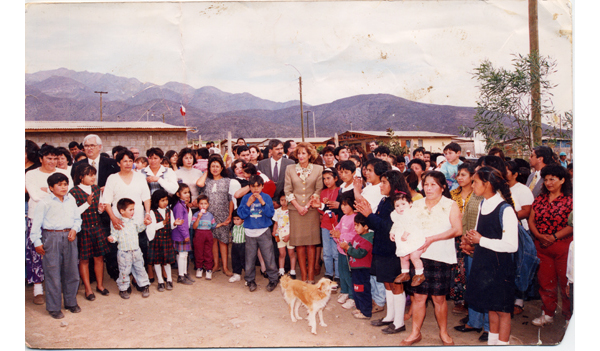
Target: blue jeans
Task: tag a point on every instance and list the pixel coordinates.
(330, 254)
(377, 291)
(476, 319)
(131, 262)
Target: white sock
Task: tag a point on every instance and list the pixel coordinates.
(182, 263)
(399, 304)
(405, 270)
(38, 289)
(493, 338)
(499, 342)
(168, 271)
(390, 310)
(519, 302)
(419, 271)
(159, 276)
(281, 271)
(292, 272)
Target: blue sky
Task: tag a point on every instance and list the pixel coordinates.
(422, 51)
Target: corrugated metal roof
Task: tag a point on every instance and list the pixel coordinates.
(402, 134)
(88, 125)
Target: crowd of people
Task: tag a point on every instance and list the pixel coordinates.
(392, 230)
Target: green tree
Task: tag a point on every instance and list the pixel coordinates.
(504, 102)
(395, 144)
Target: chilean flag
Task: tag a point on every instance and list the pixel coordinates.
(182, 110)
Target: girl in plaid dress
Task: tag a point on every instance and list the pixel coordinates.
(91, 240)
(181, 231)
(161, 251)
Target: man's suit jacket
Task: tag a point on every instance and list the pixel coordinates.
(538, 187)
(264, 166)
(106, 167)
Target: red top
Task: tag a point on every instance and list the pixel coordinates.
(550, 217)
(330, 194)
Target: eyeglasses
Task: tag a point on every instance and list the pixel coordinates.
(89, 146)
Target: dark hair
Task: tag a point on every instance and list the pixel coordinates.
(182, 153)
(469, 166)
(440, 179)
(361, 219)
(419, 162)
(143, 159)
(400, 195)
(397, 183)
(156, 197)
(347, 197)
(81, 171)
(273, 143)
(327, 149)
(219, 160)
(73, 144)
(117, 149)
(545, 153)
(498, 182)
(412, 180)
(286, 146)
(381, 149)
(494, 162)
(122, 154)
(400, 159)
(392, 159)
(330, 142)
(175, 198)
(242, 148)
(496, 150)
(202, 197)
(358, 158)
(31, 150)
(570, 166)
(170, 154)
(453, 147)
(104, 154)
(258, 151)
(154, 151)
(47, 150)
(124, 203)
(336, 151)
(249, 168)
(335, 175)
(203, 153)
(361, 152)
(235, 214)
(242, 139)
(559, 172)
(419, 149)
(525, 170)
(379, 166)
(256, 179)
(63, 151)
(347, 165)
(514, 168)
(56, 178)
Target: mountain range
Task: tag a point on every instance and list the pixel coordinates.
(67, 95)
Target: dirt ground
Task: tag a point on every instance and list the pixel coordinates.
(211, 314)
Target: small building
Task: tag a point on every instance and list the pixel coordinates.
(434, 142)
(142, 135)
(264, 142)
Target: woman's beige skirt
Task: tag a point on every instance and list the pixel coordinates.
(305, 230)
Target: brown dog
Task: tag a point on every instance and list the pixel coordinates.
(313, 297)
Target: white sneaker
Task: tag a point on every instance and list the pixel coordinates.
(198, 273)
(208, 275)
(349, 304)
(235, 278)
(542, 320)
(342, 298)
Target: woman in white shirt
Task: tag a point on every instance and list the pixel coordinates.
(186, 174)
(492, 278)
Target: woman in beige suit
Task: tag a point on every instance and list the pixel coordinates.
(303, 185)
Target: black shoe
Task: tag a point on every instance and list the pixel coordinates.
(90, 297)
(129, 290)
(271, 286)
(182, 279)
(464, 329)
(124, 294)
(188, 278)
(102, 292)
(264, 274)
(74, 309)
(151, 280)
(161, 287)
(293, 276)
(328, 277)
(464, 320)
(380, 322)
(146, 291)
(391, 329)
(484, 337)
(252, 286)
(56, 314)
(169, 285)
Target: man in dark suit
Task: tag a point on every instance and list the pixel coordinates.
(92, 146)
(274, 168)
(541, 156)
(105, 166)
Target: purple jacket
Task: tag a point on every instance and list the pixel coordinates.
(181, 232)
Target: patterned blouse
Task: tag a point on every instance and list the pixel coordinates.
(550, 217)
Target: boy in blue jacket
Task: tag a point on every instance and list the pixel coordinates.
(256, 209)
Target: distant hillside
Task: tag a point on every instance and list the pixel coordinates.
(68, 95)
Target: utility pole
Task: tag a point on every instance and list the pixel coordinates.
(534, 52)
(101, 92)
